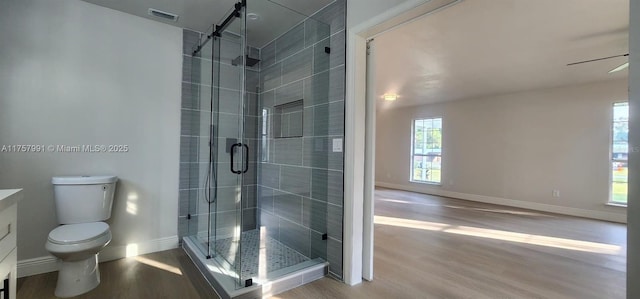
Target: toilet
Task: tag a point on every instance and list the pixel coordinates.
(82, 204)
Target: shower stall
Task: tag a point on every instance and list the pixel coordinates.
(261, 162)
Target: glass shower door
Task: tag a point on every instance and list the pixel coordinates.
(232, 150)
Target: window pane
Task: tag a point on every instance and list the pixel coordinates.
(427, 169)
(427, 150)
(619, 175)
(621, 112)
(619, 153)
(418, 137)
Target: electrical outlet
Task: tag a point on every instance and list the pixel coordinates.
(555, 193)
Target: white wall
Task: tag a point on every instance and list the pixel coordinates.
(74, 73)
(517, 147)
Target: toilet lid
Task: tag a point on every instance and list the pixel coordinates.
(78, 233)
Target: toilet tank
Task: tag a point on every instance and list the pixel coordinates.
(81, 199)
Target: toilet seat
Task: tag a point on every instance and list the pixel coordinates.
(78, 233)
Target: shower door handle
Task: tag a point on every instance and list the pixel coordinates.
(233, 147)
(246, 158)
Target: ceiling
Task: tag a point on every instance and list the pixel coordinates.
(480, 48)
(275, 16)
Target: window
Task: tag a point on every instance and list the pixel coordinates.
(619, 154)
(264, 135)
(426, 153)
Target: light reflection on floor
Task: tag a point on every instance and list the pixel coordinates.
(159, 265)
(501, 211)
(539, 240)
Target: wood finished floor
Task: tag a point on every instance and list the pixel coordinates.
(148, 276)
(443, 259)
(425, 247)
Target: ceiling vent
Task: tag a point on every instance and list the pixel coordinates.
(163, 14)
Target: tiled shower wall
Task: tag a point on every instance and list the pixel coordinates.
(300, 181)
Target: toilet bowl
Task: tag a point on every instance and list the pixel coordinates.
(82, 204)
(77, 246)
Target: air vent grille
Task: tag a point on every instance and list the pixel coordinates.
(163, 14)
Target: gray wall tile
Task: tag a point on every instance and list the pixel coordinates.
(189, 149)
(288, 151)
(296, 180)
(338, 49)
(296, 123)
(271, 77)
(265, 198)
(229, 101)
(315, 31)
(334, 256)
(321, 118)
(183, 227)
(290, 42)
(327, 186)
(334, 222)
(318, 153)
(268, 55)
(288, 206)
(314, 215)
(253, 81)
(189, 122)
(249, 220)
(230, 77)
(316, 89)
(289, 93)
(336, 118)
(270, 176)
(268, 99)
(321, 59)
(297, 66)
(334, 15)
(190, 96)
(271, 224)
(308, 120)
(295, 236)
(190, 40)
(188, 200)
(318, 246)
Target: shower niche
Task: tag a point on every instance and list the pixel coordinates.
(288, 120)
(261, 191)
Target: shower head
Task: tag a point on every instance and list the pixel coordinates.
(250, 61)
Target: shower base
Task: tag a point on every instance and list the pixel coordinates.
(261, 255)
(272, 266)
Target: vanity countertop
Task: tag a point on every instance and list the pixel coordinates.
(8, 197)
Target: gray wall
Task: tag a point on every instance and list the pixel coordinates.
(74, 73)
(300, 193)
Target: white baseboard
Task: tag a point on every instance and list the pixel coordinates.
(599, 215)
(111, 252)
(37, 265)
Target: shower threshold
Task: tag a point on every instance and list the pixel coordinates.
(288, 269)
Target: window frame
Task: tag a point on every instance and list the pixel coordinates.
(612, 160)
(413, 154)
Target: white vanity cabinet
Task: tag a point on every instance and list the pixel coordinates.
(8, 252)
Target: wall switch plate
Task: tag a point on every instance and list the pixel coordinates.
(555, 193)
(337, 145)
